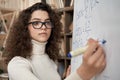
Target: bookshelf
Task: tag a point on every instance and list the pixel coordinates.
(66, 13)
(7, 17)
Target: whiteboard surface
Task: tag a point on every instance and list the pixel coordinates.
(98, 19)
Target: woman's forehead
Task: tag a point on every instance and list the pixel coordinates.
(39, 15)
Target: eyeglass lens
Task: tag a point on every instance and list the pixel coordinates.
(38, 24)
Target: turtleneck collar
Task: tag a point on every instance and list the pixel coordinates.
(38, 47)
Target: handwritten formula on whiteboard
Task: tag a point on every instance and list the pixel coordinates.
(99, 19)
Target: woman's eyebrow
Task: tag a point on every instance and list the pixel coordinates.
(47, 19)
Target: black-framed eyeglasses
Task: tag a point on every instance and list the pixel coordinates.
(39, 24)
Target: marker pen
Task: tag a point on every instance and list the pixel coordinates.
(81, 50)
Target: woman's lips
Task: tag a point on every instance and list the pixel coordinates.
(42, 33)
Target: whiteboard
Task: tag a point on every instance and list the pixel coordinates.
(98, 19)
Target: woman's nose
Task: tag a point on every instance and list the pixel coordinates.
(43, 26)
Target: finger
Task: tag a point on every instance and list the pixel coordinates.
(100, 61)
(95, 57)
(68, 71)
(69, 68)
(103, 66)
(92, 45)
(91, 40)
(97, 54)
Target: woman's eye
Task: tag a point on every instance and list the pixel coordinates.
(48, 23)
(35, 23)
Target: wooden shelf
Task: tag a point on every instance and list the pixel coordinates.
(7, 15)
(2, 39)
(67, 9)
(6, 10)
(69, 34)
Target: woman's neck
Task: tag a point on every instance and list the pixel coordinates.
(38, 47)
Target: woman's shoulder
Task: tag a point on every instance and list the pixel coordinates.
(19, 68)
(17, 59)
(17, 62)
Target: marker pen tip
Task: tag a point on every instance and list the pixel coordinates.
(104, 41)
(69, 55)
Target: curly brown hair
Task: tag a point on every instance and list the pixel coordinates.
(19, 41)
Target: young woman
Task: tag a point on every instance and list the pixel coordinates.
(33, 47)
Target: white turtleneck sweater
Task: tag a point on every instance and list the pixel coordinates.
(38, 67)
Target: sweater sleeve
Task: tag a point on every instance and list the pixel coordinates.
(73, 76)
(19, 69)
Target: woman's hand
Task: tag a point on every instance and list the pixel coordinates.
(93, 61)
(68, 71)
